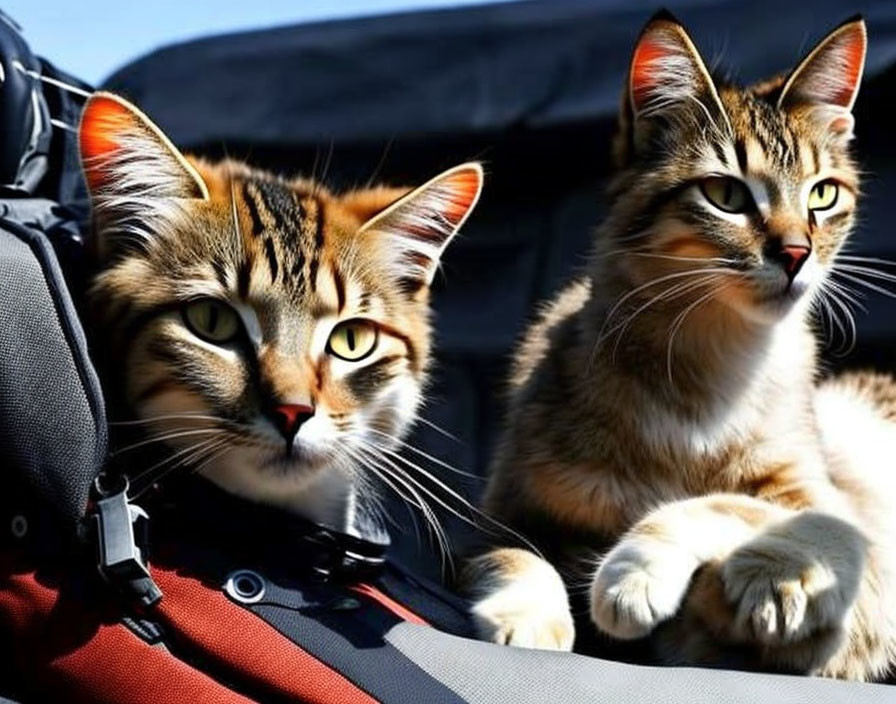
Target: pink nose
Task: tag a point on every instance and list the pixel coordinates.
(288, 417)
(793, 257)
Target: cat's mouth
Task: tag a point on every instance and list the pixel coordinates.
(296, 456)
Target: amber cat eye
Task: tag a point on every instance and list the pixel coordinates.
(211, 320)
(823, 195)
(353, 340)
(727, 193)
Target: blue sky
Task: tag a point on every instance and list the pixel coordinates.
(91, 38)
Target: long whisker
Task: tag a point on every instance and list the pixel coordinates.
(189, 450)
(411, 485)
(868, 260)
(418, 451)
(362, 462)
(495, 524)
(654, 282)
(675, 258)
(173, 416)
(849, 340)
(866, 284)
(679, 321)
(439, 430)
(207, 449)
(673, 292)
(166, 437)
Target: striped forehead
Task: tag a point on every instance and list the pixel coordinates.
(286, 230)
(284, 269)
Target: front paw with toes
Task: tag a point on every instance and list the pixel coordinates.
(778, 601)
(637, 587)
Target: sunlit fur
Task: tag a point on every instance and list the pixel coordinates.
(293, 260)
(665, 422)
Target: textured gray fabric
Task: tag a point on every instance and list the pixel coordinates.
(52, 429)
(492, 674)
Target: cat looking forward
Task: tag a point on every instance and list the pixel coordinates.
(668, 445)
(275, 335)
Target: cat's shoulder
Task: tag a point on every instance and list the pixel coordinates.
(555, 317)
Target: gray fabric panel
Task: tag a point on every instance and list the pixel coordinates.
(52, 430)
(483, 673)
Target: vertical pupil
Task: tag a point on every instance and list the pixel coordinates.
(350, 338)
(729, 188)
(212, 317)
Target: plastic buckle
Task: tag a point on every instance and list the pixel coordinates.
(121, 530)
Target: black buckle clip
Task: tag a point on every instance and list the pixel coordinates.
(122, 529)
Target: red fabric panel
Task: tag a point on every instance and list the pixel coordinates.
(238, 640)
(389, 603)
(66, 651)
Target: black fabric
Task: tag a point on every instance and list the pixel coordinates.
(52, 421)
(266, 532)
(52, 425)
(200, 528)
(532, 88)
(322, 615)
(25, 147)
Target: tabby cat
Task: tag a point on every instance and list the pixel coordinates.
(670, 447)
(273, 334)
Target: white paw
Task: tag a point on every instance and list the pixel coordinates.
(783, 594)
(640, 584)
(514, 616)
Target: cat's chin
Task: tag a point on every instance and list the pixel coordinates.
(316, 489)
(768, 309)
(260, 473)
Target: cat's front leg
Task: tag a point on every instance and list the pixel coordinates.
(643, 580)
(519, 599)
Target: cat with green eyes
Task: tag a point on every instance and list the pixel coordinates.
(670, 447)
(275, 336)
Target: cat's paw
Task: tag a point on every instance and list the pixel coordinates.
(639, 584)
(520, 600)
(507, 620)
(787, 585)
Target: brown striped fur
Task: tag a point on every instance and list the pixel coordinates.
(667, 445)
(293, 261)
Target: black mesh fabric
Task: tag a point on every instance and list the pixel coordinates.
(52, 425)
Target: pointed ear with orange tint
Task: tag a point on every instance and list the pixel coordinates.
(124, 154)
(829, 77)
(666, 70)
(415, 229)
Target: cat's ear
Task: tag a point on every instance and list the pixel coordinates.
(666, 73)
(414, 231)
(124, 154)
(828, 78)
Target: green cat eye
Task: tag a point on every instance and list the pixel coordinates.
(211, 320)
(823, 195)
(353, 340)
(727, 193)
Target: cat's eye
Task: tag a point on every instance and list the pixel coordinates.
(211, 320)
(727, 193)
(823, 195)
(353, 340)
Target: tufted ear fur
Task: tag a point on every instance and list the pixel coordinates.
(665, 75)
(137, 179)
(123, 151)
(416, 228)
(827, 80)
